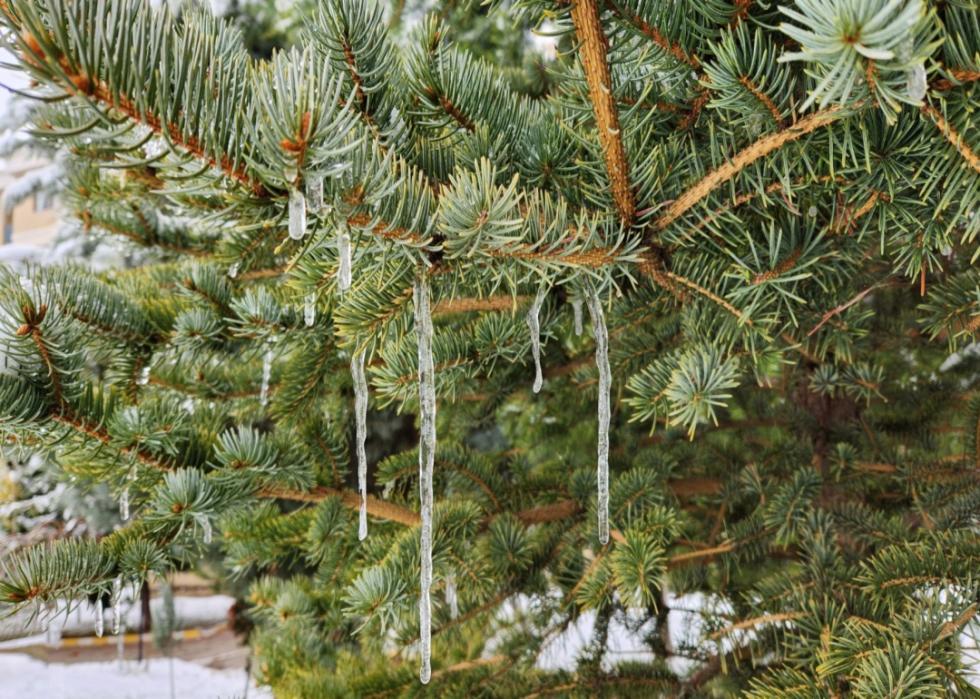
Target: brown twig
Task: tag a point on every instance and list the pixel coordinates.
(593, 48)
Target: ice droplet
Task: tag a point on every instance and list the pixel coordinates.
(297, 214)
(812, 211)
(233, 270)
(314, 193)
(144, 376)
(344, 269)
(915, 82)
(605, 379)
(534, 323)
(309, 310)
(577, 315)
(427, 448)
(360, 418)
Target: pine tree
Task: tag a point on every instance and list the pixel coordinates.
(764, 215)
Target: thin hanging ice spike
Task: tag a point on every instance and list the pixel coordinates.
(309, 310)
(314, 193)
(52, 626)
(916, 83)
(533, 322)
(605, 379)
(297, 214)
(233, 270)
(360, 417)
(266, 375)
(343, 252)
(124, 504)
(427, 453)
(577, 314)
(207, 533)
(99, 614)
(117, 606)
(452, 599)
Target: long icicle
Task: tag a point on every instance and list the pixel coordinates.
(116, 606)
(534, 324)
(605, 379)
(360, 419)
(427, 452)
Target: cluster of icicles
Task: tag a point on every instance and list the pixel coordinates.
(298, 205)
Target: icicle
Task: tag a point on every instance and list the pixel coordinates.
(451, 598)
(343, 252)
(314, 193)
(233, 270)
(297, 214)
(915, 82)
(309, 310)
(360, 416)
(266, 375)
(124, 504)
(207, 532)
(577, 313)
(117, 606)
(533, 322)
(605, 379)
(427, 449)
(99, 620)
(52, 628)
(144, 376)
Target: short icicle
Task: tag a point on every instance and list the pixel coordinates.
(360, 418)
(297, 214)
(266, 376)
(309, 310)
(208, 531)
(577, 315)
(452, 598)
(534, 323)
(124, 503)
(314, 193)
(605, 379)
(99, 616)
(344, 268)
(427, 448)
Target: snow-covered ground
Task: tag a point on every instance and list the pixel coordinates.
(23, 677)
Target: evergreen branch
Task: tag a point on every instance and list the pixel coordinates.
(351, 499)
(479, 304)
(756, 621)
(761, 148)
(953, 136)
(959, 76)
(91, 88)
(654, 34)
(593, 47)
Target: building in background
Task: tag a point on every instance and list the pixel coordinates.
(27, 205)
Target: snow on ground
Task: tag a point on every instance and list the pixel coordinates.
(17, 630)
(24, 677)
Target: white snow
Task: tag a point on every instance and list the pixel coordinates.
(25, 677)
